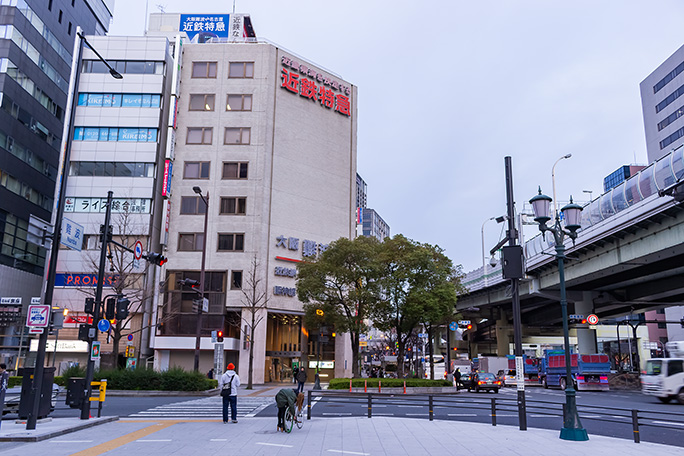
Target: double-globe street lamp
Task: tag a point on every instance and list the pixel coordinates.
(572, 428)
(198, 333)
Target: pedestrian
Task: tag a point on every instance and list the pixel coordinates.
(210, 374)
(301, 379)
(288, 398)
(295, 371)
(457, 378)
(228, 384)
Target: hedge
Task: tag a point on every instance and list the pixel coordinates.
(174, 379)
(343, 383)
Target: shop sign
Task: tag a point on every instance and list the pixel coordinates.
(308, 89)
(83, 280)
(309, 248)
(284, 291)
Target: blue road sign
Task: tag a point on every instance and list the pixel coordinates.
(130, 337)
(453, 326)
(103, 325)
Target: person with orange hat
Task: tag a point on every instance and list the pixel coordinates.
(228, 384)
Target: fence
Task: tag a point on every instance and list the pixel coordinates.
(637, 418)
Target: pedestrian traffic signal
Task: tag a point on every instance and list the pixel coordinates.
(219, 337)
(156, 258)
(89, 306)
(122, 308)
(110, 308)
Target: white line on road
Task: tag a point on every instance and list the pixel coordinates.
(151, 440)
(383, 414)
(218, 440)
(668, 423)
(409, 406)
(417, 414)
(590, 416)
(346, 452)
(337, 414)
(500, 415)
(462, 414)
(274, 444)
(71, 441)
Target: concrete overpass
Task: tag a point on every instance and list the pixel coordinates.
(628, 258)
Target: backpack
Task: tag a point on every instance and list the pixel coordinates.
(227, 389)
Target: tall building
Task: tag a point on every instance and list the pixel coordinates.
(270, 139)
(663, 106)
(374, 225)
(361, 192)
(35, 64)
(620, 175)
(120, 144)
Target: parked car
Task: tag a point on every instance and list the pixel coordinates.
(13, 397)
(482, 381)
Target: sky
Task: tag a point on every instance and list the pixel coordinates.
(447, 89)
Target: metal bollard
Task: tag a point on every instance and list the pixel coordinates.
(308, 406)
(430, 407)
(635, 426)
(370, 405)
(493, 412)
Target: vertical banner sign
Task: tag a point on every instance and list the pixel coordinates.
(520, 373)
(95, 352)
(218, 360)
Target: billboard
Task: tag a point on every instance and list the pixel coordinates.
(203, 27)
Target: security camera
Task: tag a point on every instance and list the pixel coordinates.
(493, 261)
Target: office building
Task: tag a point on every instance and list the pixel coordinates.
(374, 225)
(35, 64)
(270, 139)
(620, 175)
(663, 106)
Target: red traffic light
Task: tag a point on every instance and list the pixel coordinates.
(584, 321)
(469, 327)
(219, 336)
(156, 258)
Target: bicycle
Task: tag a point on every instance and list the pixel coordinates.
(291, 420)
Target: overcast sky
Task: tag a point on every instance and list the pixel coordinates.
(447, 89)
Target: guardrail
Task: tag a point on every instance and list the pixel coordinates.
(637, 418)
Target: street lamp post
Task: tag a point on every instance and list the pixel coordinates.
(198, 333)
(58, 212)
(572, 428)
(498, 219)
(590, 192)
(553, 182)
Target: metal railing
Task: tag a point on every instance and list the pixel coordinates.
(637, 418)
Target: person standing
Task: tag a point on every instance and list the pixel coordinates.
(457, 378)
(4, 383)
(210, 374)
(301, 379)
(228, 384)
(295, 371)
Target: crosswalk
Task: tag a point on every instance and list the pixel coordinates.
(207, 407)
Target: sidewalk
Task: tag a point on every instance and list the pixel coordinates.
(351, 436)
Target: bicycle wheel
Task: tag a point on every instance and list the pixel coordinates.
(289, 421)
(299, 420)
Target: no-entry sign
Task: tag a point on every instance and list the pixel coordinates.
(592, 319)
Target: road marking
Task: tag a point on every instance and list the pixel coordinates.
(591, 416)
(346, 452)
(408, 406)
(500, 415)
(462, 414)
(218, 440)
(337, 414)
(274, 444)
(668, 423)
(124, 439)
(383, 414)
(70, 441)
(153, 440)
(416, 414)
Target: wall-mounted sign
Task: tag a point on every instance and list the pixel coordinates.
(83, 280)
(72, 234)
(309, 248)
(285, 272)
(119, 205)
(203, 27)
(322, 364)
(285, 291)
(71, 346)
(308, 89)
(318, 77)
(166, 183)
(11, 301)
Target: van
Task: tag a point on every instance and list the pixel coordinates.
(664, 379)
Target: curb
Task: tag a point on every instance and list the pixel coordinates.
(48, 435)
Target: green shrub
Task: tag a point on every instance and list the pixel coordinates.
(343, 383)
(73, 371)
(177, 379)
(14, 381)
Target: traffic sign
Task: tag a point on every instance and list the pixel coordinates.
(129, 337)
(137, 250)
(103, 325)
(38, 316)
(453, 326)
(463, 322)
(592, 319)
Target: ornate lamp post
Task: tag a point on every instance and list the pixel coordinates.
(572, 428)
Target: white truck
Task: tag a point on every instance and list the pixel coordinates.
(493, 364)
(664, 377)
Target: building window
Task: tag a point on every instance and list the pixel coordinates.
(241, 70)
(203, 69)
(69, 29)
(199, 135)
(124, 66)
(232, 170)
(236, 280)
(196, 170)
(60, 17)
(231, 242)
(662, 326)
(192, 205)
(239, 103)
(111, 169)
(660, 311)
(49, 5)
(190, 242)
(201, 102)
(233, 206)
(236, 135)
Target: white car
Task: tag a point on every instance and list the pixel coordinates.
(13, 397)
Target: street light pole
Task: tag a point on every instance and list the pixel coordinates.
(572, 428)
(198, 333)
(553, 182)
(58, 212)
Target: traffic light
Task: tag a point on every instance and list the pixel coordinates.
(86, 332)
(89, 306)
(219, 337)
(110, 306)
(469, 327)
(194, 284)
(58, 316)
(122, 307)
(109, 233)
(156, 258)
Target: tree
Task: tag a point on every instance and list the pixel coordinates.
(343, 283)
(254, 300)
(396, 315)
